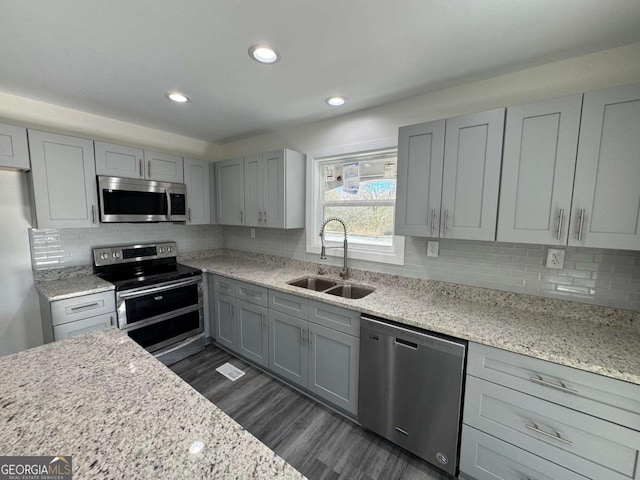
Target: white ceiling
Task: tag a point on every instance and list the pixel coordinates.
(117, 58)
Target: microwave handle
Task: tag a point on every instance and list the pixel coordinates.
(168, 204)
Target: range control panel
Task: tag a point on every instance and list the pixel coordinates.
(133, 253)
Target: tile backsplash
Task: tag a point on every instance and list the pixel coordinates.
(72, 247)
(596, 276)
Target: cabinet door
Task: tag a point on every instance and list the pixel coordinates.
(471, 177)
(230, 192)
(540, 146)
(73, 329)
(253, 332)
(164, 167)
(273, 189)
(64, 180)
(288, 347)
(119, 161)
(606, 196)
(14, 152)
(419, 187)
(253, 191)
(226, 329)
(196, 179)
(333, 367)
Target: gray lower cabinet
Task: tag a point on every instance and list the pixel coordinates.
(288, 347)
(252, 328)
(528, 418)
(86, 325)
(225, 321)
(333, 366)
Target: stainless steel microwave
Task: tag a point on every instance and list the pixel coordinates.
(133, 200)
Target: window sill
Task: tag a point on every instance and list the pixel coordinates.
(391, 257)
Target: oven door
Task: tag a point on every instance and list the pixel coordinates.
(169, 330)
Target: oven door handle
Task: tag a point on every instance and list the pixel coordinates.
(163, 288)
(168, 204)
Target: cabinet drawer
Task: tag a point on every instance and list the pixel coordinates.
(252, 293)
(77, 308)
(224, 285)
(483, 457)
(290, 304)
(584, 444)
(587, 392)
(337, 318)
(73, 329)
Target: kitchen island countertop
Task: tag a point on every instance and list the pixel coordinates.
(121, 414)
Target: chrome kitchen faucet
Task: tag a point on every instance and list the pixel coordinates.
(323, 256)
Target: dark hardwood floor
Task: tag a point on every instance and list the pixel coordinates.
(318, 442)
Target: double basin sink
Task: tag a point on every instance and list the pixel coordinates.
(324, 285)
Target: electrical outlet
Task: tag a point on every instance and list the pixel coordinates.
(555, 258)
(432, 249)
(253, 233)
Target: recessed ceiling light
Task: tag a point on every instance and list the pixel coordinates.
(335, 101)
(177, 97)
(264, 53)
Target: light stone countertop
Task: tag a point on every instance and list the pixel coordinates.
(121, 414)
(71, 287)
(596, 339)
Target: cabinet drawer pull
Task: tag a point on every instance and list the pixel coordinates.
(555, 436)
(562, 387)
(223, 285)
(560, 222)
(248, 293)
(85, 307)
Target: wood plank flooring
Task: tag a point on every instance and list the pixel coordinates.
(318, 442)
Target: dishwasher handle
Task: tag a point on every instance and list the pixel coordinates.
(406, 343)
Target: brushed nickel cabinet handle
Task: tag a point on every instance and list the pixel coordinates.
(111, 320)
(264, 216)
(433, 220)
(189, 213)
(562, 387)
(446, 220)
(259, 216)
(85, 307)
(149, 169)
(560, 221)
(140, 167)
(93, 213)
(241, 217)
(555, 436)
(580, 224)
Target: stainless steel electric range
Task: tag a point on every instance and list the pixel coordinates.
(159, 302)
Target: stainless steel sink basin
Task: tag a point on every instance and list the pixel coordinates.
(350, 291)
(314, 283)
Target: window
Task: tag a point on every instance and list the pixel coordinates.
(358, 187)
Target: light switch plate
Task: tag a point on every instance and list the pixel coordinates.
(432, 249)
(555, 258)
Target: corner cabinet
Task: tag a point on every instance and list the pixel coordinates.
(448, 177)
(64, 181)
(606, 195)
(262, 190)
(197, 179)
(14, 151)
(540, 144)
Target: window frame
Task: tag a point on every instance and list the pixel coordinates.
(315, 201)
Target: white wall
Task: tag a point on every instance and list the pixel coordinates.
(616, 66)
(20, 325)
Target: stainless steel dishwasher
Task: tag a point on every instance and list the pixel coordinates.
(411, 389)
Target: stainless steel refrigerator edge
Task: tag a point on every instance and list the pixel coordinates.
(411, 390)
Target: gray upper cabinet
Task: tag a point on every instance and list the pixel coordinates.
(119, 161)
(471, 176)
(64, 184)
(448, 177)
(14, 151)
(230, 192)
(164, 167)
(419, 186)
(267, 189)
(606, 197)
(539, 159)
(197, 180)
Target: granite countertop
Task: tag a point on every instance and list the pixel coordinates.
(597, 339)
(70, 287)
(121, 414)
